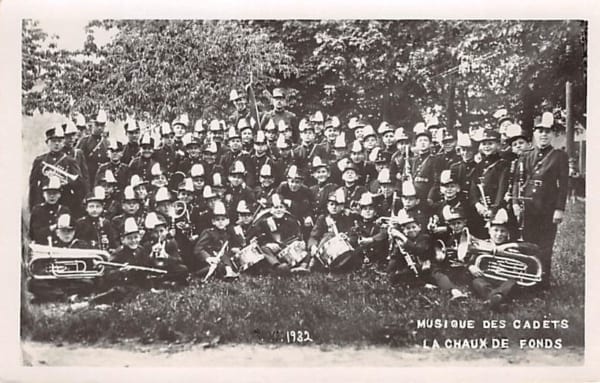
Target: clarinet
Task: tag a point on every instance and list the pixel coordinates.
(102, 235)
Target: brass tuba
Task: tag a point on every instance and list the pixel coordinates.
(48, 262)
(502, 262)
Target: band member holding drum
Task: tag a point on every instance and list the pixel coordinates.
(544, 192)
(244, 221)
(336, 225)
(42, 221)
(494, 290)
(216, 244)
(371, 236)
(277, 231)
(413, 251)
(64, 237)
(93, 227)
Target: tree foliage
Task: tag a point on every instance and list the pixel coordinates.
(382, 69)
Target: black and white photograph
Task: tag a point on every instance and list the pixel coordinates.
(294, 192)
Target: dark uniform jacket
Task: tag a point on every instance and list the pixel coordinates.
(119, 170)
(342, 222)
(320, 194)
(446, 160)
(304, 154)
(211, 242)
(234, 195)
(425, 173)
(185, 163)
(167, 157)
(77, 154)
(546, 174)
(352, 194)
(43, 216)
(130, 151)
(463, 174)
(91, 230)
(492, 173)
(95, 150)
(142, 167)
(300, 202)
(37, 179)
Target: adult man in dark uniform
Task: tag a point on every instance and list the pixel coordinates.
(44, 216)
(73, 197)
(546, 174)
(94, 146)
(260, 157)
(424, 166)
(464, 170)
(116, 165)
(132, 147)
(57, 158)
(142, 164)
(304, 153)
(241, 107)
(278, 113)
(448, 156)
(166, 154)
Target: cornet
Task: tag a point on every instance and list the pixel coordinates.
(51, 170)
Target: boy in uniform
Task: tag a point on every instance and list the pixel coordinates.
(43, 218)
(93, 228)
(323, 187)
(371, 236)
(142, 164)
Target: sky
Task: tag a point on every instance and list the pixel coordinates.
(71, 32)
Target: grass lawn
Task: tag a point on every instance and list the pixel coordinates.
(361, 308)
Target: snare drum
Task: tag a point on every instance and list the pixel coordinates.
(334, 251)
(294, 253)
(248, 257)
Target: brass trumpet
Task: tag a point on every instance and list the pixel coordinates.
(51, 170)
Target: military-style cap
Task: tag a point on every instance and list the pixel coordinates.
(114, 145)
(420, 130)
(546, 121)
(80, 121)
(233, 132)
(281, 142)
(243, 123)
(383, 177)
(350, 166)
(400, 135)
(235, 95)
(211, 147)
(304, 126)
(162, 195)
(147, 140)
(446, 177)
(64, 222)
(153, 220)
(340, 141)
(502, 115)
(219, 209)
(186, 185)
(197, 170)
(369, 131)
(130, 227)
(446, 135)
(131, 125)
(376, 156)
(101, 118)
(55, 132)
(129, 194)
(282, 126)
(270, 125)
(317, 117)
(69, 128)
(295, 172)
(199, 126)
(136, 181)
(433, 122)
(515, 131)
(109, 177)
(385, 127)
(500, 218)
(242, 207)
(317, 163)
(485, 134)
(97, 194)
(452, 213)
(463, 140)
(237, 168)
(53, 183)
(189, 140)
(332, 122)
(260, 138)
(214, 126)
(278, 93)
(337, 196)
(156, 170)
(208, 193)
(403, 218)
(366, 199)
(266, 171)
(165, 129)
(408, 189)
(356, 147)
(217, 180)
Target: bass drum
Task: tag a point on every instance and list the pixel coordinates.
(248, 257)
(294, 253)
(335, 251)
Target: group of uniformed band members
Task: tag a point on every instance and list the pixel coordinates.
(311, 179)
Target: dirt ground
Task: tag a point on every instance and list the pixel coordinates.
(135, 355)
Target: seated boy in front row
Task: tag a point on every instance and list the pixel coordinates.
(497, 292)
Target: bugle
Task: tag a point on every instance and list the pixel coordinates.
(65, 177)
